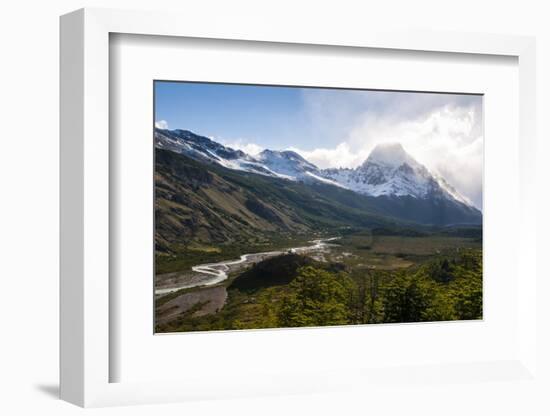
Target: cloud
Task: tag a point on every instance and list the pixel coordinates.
(442, 131)
(340, 156)
(242, 144)
(161, 124)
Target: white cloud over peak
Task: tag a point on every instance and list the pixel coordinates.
(241, 144)
(442, 131)
(161, 124)
(340, 156)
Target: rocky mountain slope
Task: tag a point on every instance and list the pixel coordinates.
(199, 204)
(390, 182)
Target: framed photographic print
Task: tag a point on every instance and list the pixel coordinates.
(271, 212)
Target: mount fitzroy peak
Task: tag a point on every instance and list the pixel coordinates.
(391, 181)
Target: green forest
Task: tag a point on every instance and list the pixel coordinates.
(296, 291)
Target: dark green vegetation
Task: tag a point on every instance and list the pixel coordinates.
(366, 277)
(276, 271)
(309, 293)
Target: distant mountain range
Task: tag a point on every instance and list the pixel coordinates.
(279, 164)
(390, 186)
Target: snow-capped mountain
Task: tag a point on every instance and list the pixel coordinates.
(291, 165)
(389, 170)
(280, 164)
(286, 164)
(207, 150)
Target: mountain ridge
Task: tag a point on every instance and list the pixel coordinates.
(200, 204)
(389, 173)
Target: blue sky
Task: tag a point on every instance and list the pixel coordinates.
(272, 116)
(334, 127)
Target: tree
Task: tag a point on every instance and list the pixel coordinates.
(469, 297)
(441, 290)
(407, 298)
(317, 298)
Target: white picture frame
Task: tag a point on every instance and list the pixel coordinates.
(85, 210)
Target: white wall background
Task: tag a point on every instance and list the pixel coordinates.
(29, 191)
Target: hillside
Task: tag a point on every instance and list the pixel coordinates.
(390, 182)
(198, 205)
(276, 271)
